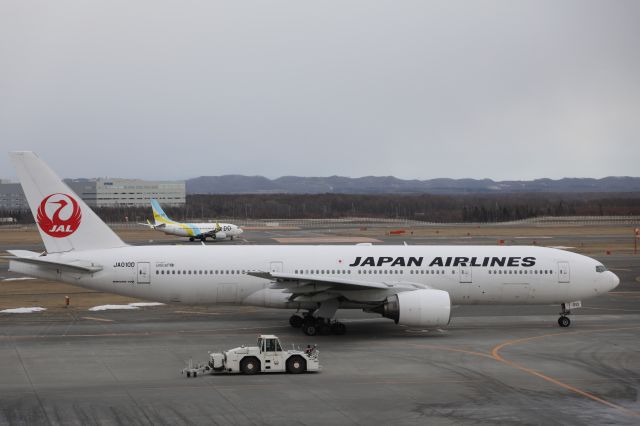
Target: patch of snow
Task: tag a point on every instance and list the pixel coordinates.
(23, 310)
(143, 304)
(127, 306)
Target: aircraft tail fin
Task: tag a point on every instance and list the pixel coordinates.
(159, 216)
(64, 220)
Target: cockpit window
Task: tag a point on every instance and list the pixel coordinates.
(600, 268)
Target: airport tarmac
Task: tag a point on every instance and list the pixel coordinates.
(492, 365)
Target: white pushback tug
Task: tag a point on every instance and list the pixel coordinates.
(267, 356)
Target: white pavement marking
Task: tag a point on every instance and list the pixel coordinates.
(97, 319)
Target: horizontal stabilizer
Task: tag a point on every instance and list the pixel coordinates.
(25, 256)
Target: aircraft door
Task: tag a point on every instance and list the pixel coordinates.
(227, 293)
(563, 272)
(465, 274)
(144, 275)
(276, 267)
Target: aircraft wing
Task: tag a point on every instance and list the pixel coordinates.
(151, 225)
(305, 284)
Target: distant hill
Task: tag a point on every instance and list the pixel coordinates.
(240, 184)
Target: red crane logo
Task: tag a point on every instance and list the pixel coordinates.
(66, 217)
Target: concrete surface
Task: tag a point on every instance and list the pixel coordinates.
(492, 365)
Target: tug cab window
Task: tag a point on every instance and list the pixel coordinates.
(270, 345)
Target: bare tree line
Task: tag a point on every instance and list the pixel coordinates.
(426, 207)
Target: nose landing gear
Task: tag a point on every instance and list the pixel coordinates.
(564, 320)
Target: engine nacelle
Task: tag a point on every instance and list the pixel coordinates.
(418, 308)
(220, 235)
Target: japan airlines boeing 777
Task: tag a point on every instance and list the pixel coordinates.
(413, 285)
(201, 231)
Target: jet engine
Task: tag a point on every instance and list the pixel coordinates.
(417, 308)
(220, 235)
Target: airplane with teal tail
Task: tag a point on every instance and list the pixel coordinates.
(200, 231)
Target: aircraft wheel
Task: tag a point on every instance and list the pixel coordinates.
(190, 238)
(564, 321)
(324, 328)
(338, 328)
(309, 328)
(296, 365)
(296, 321)
(250, 365)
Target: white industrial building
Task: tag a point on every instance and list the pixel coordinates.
(104, 192)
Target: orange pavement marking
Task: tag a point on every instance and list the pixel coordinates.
(495, 355)
(495, 352)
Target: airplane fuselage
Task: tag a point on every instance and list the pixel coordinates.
(197, 229)
(206, 274)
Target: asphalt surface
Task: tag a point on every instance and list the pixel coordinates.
(492, 365)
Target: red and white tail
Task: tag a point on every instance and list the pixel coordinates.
(65, 222)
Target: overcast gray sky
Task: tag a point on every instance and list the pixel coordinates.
(416, 89)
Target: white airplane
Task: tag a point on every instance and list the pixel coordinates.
(413, 285)
(201, 231)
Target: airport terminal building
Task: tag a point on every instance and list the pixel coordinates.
(103, 192)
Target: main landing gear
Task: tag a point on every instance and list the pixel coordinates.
(564, 320)
(312, 326)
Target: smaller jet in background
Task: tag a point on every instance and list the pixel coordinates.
(201, 231)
